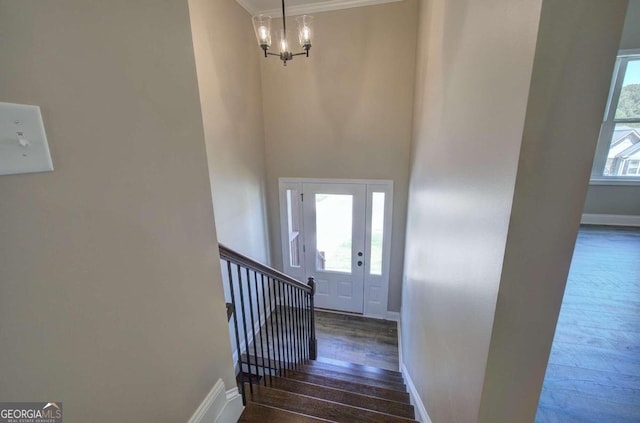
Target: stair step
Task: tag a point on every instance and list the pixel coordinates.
(357, 387)
(344, 397)
(254, 412)
(337, 374)
(341, 363)
(358, 370)
(315, 407)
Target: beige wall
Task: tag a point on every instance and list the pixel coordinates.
(346, 111)
(575, 53)
(231, 98)
(610, 199)
(631, 31)
(487, 254)
(473, 74)
(616, 200)
(110, 295)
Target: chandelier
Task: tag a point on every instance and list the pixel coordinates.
(262, 26)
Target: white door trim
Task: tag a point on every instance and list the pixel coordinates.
(372, 308)
(299, 271)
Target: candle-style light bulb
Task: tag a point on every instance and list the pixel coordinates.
(284, 45)
(262, 27)
(263, 33)
(305, 25)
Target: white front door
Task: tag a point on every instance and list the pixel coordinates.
(333, 217)
(339, 233)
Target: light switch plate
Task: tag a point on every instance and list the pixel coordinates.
(23, 142)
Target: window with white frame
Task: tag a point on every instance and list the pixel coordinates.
(618, 152)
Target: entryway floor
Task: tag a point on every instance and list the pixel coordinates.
(357, 339)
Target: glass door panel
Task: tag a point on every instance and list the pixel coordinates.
(377, 232)
(334, 228)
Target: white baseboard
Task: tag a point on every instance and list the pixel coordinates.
(610, 219)
(232, 411)
(219, 406)
(393, 315)
(389, 315)
(421, 412)
(399, 323)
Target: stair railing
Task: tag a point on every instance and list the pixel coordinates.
(269, 309)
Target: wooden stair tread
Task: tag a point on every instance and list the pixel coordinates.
(344, 397)
(356, 370)
(337, 374)
(315, 407)
(254, 412)
(352, 386)
(342, 363)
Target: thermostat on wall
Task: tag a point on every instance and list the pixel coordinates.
(23, 142)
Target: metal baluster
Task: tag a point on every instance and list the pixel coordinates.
(292, 331)
(286, 331)
(244, 325)
(278, 330)
(255, 279)
(266, 332)
(303, 310)
(279, 320)
(274, 316)
(283, 327)
(235, 327)
(253, 329)
(309, 311)
(313, 343)
(308, 299)
(298, 323)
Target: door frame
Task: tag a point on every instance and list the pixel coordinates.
(374, 285)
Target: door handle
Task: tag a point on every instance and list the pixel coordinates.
(359, 263)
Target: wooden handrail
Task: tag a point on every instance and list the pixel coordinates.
(227, 253)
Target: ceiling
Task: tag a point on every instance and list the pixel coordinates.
(298, 7)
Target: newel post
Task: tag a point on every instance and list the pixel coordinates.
(313, 342)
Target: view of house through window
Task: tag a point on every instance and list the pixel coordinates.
(621, 128)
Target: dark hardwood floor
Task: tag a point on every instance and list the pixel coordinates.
(593, 373)
(345, 337)
(357, 339)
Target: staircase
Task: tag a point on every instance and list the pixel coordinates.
(279, 374)
(326, 390)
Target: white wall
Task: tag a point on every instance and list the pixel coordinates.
(345, 112)
(110, 292)
(468, 216)
(230, 93)
(610, 199)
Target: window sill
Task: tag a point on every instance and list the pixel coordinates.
(615, 181)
